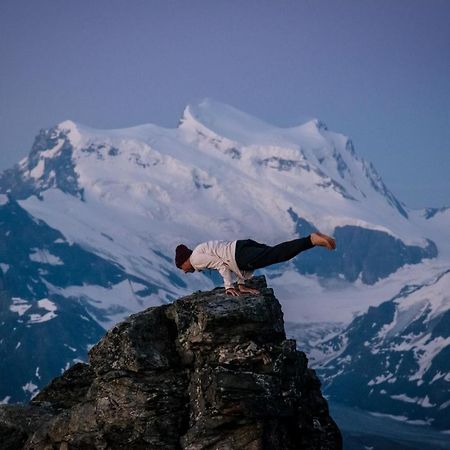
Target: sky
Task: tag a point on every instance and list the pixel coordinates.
(377, 71)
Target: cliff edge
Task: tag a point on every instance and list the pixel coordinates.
(208, 371)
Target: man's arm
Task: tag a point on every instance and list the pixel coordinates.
(247, 275)
(227, 276)
(202, 261)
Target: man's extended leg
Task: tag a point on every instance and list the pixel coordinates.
(251, 255)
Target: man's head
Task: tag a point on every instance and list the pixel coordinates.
(182, 254)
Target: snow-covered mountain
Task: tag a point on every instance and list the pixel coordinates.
(101, 212)
(394, 359)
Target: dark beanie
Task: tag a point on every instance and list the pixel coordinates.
(182, 253)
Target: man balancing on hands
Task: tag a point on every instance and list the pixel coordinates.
(240, 258)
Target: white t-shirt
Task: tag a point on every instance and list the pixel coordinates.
(219, 255)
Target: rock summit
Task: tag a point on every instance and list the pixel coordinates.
(208, 371)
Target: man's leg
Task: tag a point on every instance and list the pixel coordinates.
(247, 250)
(251, 255)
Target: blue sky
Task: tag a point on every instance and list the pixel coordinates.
(377, 71)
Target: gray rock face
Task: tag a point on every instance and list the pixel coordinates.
(208, 371)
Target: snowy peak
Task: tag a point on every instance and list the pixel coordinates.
(312, 126)
(71, 129)
(223, 120)
(320, 124)
(49, 165)
(226, 120)
(330, 155)
(231, 146)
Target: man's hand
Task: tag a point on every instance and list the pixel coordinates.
(232, 291)
(248, 290)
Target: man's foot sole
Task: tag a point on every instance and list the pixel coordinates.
(325, 241)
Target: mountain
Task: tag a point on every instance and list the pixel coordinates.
(206, 371)
(125, 193)
(91, 219)
(42, 329)
(394, 359)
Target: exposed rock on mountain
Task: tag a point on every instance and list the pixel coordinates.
(367, 254)
(205, 372)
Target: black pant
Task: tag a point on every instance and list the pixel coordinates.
(251, 255)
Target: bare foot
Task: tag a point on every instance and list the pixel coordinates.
(323, 240)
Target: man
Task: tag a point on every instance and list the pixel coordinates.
(240, 258)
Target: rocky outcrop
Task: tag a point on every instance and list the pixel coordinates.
(208, 371)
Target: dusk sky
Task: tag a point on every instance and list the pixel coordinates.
(377, 71)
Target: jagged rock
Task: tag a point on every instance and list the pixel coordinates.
(18, 422)
(67, 390)
(205, 372)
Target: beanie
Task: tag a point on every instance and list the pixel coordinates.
(182, 253)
